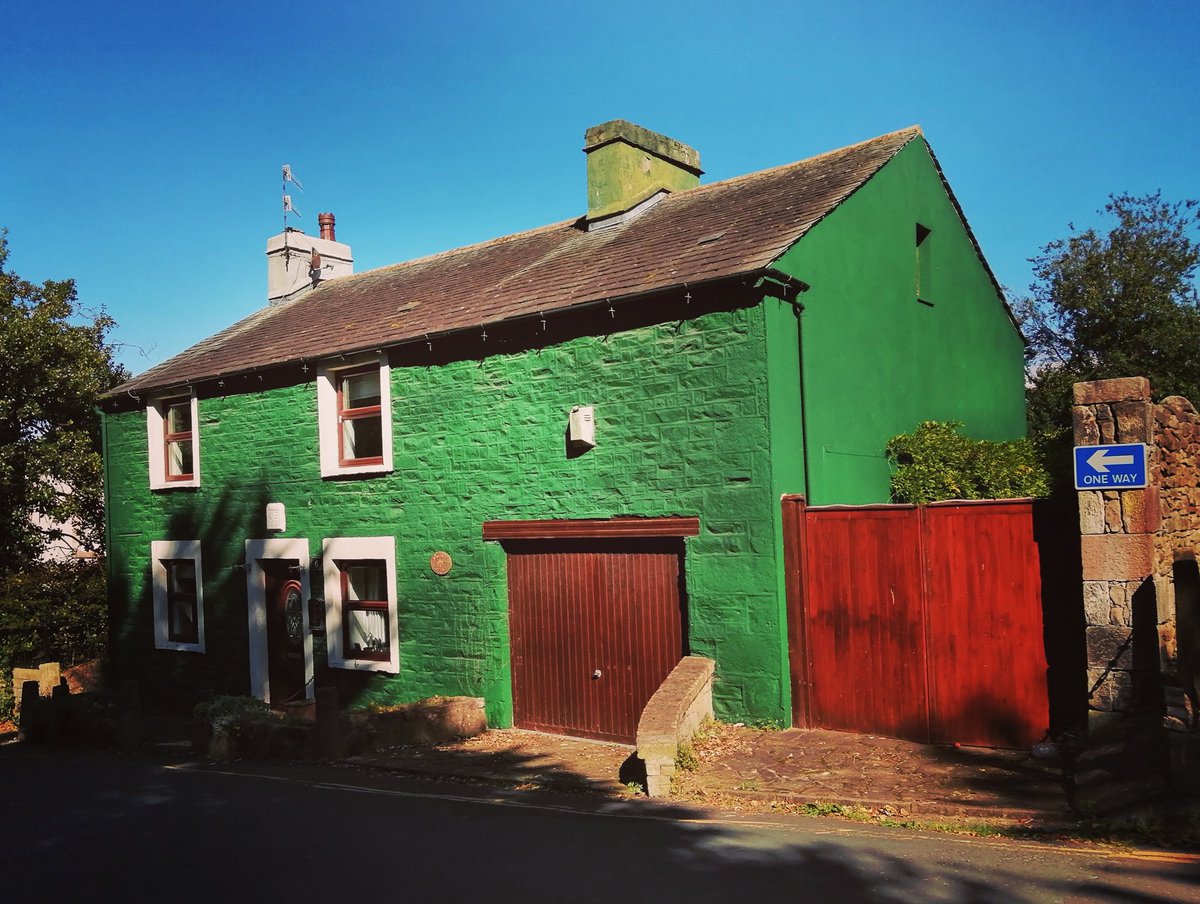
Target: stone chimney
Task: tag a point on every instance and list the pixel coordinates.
(629, 168)
(297, 262)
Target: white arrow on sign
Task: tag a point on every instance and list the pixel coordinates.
(1100, 460)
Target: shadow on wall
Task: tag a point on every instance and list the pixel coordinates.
(1187, 625)
(176, 680)
(1056, 532)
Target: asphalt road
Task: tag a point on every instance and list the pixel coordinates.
(97, 827)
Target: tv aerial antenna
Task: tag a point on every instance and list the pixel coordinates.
(289, 208)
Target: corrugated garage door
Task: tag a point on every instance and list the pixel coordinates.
(596, 624)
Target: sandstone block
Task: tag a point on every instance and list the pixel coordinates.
(1113, 691)
(1135, 421)
(1105, 424)
(1109, 647)
(1091, 510)
(1087, 432)
(1096, 603)
(1119, 390)
(1164, 599)
(1141, 512)
(1112, 513)
(1117, 557)
(1168, 648)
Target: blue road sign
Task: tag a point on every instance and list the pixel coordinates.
(1112, 467)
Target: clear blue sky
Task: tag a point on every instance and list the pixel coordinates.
(143, 140)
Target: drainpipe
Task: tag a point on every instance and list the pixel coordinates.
(777, 284)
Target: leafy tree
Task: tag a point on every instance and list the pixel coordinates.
(55, 361)
(1116, 304)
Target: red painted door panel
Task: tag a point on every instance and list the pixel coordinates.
(985, 626)
(920, 623)
(865, 622)
(595, 627)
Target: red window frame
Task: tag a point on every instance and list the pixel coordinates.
(176, 598)
(349, 605)
(183, 436)
(347, 414)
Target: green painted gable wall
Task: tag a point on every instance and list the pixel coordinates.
(875, 360)
(682, 428)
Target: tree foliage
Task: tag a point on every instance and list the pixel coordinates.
(55, 361)
(936, 462)
(1120, 303)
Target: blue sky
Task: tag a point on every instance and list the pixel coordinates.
(144, 140)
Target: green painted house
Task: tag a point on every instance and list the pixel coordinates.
(540, 469)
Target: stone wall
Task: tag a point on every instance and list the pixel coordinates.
(1177, 544)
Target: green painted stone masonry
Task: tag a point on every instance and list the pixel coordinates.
(682, 429)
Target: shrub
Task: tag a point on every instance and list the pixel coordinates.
(238, 726)
(50, 612)
(936, 462)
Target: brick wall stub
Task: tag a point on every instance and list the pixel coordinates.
(1117, 557)
(1122, 389)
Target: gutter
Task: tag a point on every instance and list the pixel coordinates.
(765, 276)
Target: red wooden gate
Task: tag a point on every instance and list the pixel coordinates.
(921, 623)
(595, 621)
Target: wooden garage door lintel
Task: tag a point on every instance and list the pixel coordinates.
(591, 528)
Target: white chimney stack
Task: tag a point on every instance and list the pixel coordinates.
(297, 262)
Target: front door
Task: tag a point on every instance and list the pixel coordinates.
(285, 631)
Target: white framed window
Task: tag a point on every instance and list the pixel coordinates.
(178, 587)
(360, 603)
(355, 416)
(173, 440)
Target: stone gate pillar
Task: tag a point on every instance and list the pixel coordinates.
(1141, 581)
(1118, 548)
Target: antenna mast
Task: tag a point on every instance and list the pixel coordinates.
(288, 176)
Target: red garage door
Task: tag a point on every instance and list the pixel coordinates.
(596, 623)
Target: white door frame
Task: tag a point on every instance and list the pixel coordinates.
(274, 549)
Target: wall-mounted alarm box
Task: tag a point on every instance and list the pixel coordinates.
(582, 427)
(276, 516)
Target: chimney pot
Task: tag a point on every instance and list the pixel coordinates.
(326, 221)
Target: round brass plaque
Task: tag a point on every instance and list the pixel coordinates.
(440, 562)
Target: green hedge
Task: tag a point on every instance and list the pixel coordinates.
(936, 462)
(50, 613)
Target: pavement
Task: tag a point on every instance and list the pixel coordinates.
(737, 767)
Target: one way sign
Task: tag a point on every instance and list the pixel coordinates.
(1119, 467)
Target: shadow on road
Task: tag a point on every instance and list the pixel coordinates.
(102, 824)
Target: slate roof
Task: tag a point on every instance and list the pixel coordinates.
(724, 229)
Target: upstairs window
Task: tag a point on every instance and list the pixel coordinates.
(176, 580)
(360, 418)
(354, 412)
(177, 436)
(173, 442)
